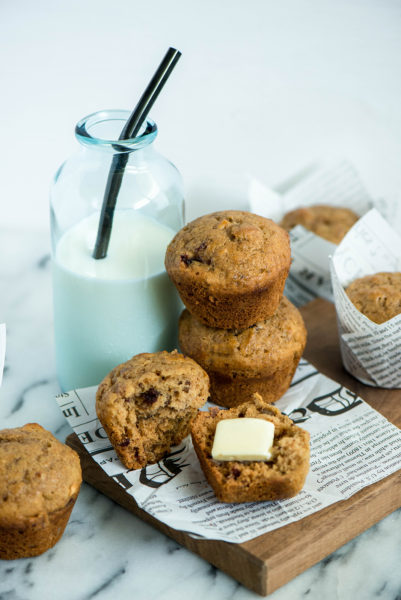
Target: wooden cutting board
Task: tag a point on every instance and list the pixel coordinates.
(270, 560)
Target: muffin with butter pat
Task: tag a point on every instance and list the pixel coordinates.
(248, 463)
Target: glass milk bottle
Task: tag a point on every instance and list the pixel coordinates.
(109, 309)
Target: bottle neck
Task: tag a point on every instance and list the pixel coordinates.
(101, 130)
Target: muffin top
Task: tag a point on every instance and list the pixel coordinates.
(38, 474)
(377, 296)
(148, 382)
(261, 349)
(230, 250)
(330, 222)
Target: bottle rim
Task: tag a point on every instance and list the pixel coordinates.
(86, 127)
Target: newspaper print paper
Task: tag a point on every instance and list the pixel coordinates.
(2, 349)
(336, 185)
(352, 446)
(371, 352)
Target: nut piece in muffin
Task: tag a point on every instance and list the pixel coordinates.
(230, 267)
(282, 476)
(330, 222)
(240, 362)
(146, 405)
(377, 296)
(39, 482)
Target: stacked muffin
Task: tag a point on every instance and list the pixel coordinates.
(230, 269)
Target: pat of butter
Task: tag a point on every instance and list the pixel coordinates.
(243, 439)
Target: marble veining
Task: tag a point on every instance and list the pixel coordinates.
(105, 552)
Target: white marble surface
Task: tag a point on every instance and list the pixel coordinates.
(263, 88)
(105, 552)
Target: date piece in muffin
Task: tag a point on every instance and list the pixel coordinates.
(282, 476)
(239, 362)
(377, 296)
(146, 405)
(39, 482)
(230, 267)
(330, 222)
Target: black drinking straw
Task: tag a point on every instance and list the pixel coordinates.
(120, 159)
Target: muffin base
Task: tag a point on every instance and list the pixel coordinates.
(232, 311)
(230, 392)
(173, 428)
(35, 535)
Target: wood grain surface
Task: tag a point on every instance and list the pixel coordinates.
(271, 560)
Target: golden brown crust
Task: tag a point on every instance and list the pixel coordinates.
(236, 481)
(330, 222)
(34, 535)
(239, 362)
(146, 405)
(377, 296)
(39, 482)
(229, 392)
(230, 267)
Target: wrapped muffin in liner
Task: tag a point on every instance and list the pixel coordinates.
(335, 184)
(371, 352)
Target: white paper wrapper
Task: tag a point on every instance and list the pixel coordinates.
(352, 446)
(371, 352)
(2, 349)
(335, 184)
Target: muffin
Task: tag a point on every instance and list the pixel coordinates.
(239, 362)
(146, 405)
(230, 268)
(39, 482)
(330, 222)
(377, 296)
(283, 476)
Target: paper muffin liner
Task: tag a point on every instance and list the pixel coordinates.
(336, 184)
(371, 352)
